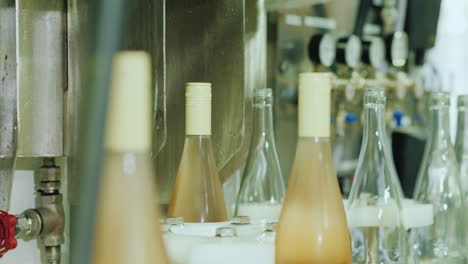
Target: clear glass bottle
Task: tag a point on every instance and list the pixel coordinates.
(461, 144)
(348, 139)
(197, 194)
(313, 226)
(439, 184)
(461, 151)
(262, 188)
(127, 225)
(375, 201)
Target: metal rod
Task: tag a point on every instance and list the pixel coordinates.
(110, 17)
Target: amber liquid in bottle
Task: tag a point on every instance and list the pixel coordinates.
(197, 195)
(127, 229)
(313, 227)
(127, 226)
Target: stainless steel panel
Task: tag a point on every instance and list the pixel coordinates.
(255, 77)
(255, 51)
(78, 62)
(146, 31)
(204, 41)
(8, 93)
(191, 41)
(41, 34)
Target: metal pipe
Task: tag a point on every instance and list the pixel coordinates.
(49, 205)
(53, 254)
(8, 95)
(41, 68)
(46, 222)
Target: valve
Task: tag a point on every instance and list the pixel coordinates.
(7, 232)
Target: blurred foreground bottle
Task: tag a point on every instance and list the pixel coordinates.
(197, 194)
(262, 188)
(127, 226)
(375, 202)
(439, 184)
(313, 227)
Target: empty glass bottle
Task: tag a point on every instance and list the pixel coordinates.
(312, 227)
(375, 201)
(461, 143)
(197, 195)
(262, 188)
(439, 184)
(348, 140)
(461, 150)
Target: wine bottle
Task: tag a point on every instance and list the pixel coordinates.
(439, 184)
(197, 194)
(461, 150)
(127, 224)
(461, 144)
(375, 206)
(313, 227)
(262, 188)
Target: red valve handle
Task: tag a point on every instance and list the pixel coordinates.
(7, 232)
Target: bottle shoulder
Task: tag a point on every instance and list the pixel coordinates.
(262, 158)
(262, 180)
(441, 165)
(197, 195)
(376, 182)
(198, 150)
(439, 184)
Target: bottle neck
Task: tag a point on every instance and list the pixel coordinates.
(263, 119)
(374, 125)
(439, 125)
(462, 131)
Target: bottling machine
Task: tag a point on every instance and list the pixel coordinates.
(54, 68)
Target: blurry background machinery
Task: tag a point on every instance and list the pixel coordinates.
(364, 43)
(54, 58)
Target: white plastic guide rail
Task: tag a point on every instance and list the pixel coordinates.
(196, 243)
(413, 215)
(209, 229)
(261, 213)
